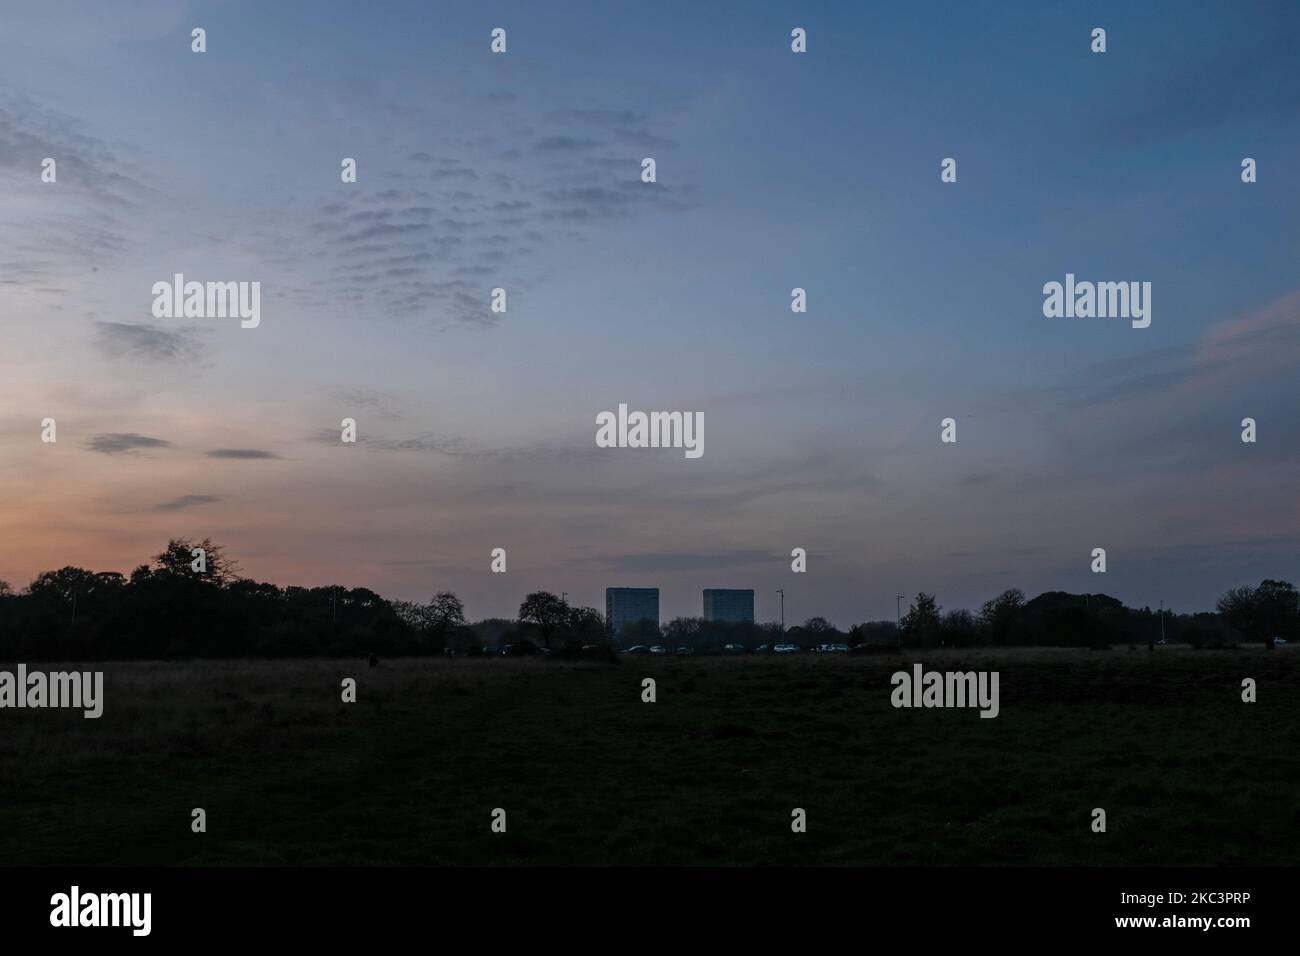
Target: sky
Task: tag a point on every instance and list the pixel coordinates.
(775, 170)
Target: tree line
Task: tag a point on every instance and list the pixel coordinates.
(190, 600)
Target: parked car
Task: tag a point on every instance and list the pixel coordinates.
(658, 649)
(832, 648)
(526, 649)
(685, 651)
(638, 649)
(788, 648)
(873, 647)
(735, 649)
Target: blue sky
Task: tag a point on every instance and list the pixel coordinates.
(775, 170)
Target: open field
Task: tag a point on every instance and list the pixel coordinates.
(587, 773)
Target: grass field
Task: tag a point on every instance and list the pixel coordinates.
(588, 774)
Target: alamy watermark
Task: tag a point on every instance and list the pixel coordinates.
(208, 300)
(76, 908)
(923, 688)
(651, 430)
(81, 690)
(1102, 300)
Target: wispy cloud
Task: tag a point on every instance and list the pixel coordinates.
(435, 248)
(151, 342)
(384, 405)
(565, 143)
(674, 561)
(463, 449)
(247, 454)
(187, 501)
(118, 443)
(81, 223)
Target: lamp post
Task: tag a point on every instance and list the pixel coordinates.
(781, 591)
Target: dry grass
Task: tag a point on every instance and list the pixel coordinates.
(589, 774)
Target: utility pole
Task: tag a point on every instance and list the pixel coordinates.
(563, 596)
(781, 591)
(334, 605)
(1162, 622)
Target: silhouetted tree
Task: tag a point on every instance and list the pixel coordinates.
(1001, 620)
(446, 612)
(62, 584)
(959, 629)
(773, 634)
(921, 624)
(168, 609)
(644, 631)
(682, 632)
(1278, 609)
(873, 632)
(1263, 613)
(545, 610)
(1073, 620)
(586, 625)
(178, 560)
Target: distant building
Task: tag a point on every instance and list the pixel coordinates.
(630, 605)
(731, 605)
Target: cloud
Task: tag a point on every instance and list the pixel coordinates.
(382, 404)
(1266, 340)
(80, 225)
(453, 172)
(461, 449)
(597, 117)
(433, 249)
(621, 197)
(186, 501)
(248, 454)
(566, 143)
(86, 164)
(151, 342)
(114, 443)
(668, 561)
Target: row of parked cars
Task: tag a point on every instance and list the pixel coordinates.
(738, 649)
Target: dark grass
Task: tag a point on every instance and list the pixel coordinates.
(588, 774)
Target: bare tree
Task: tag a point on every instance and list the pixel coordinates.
(547, 611)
